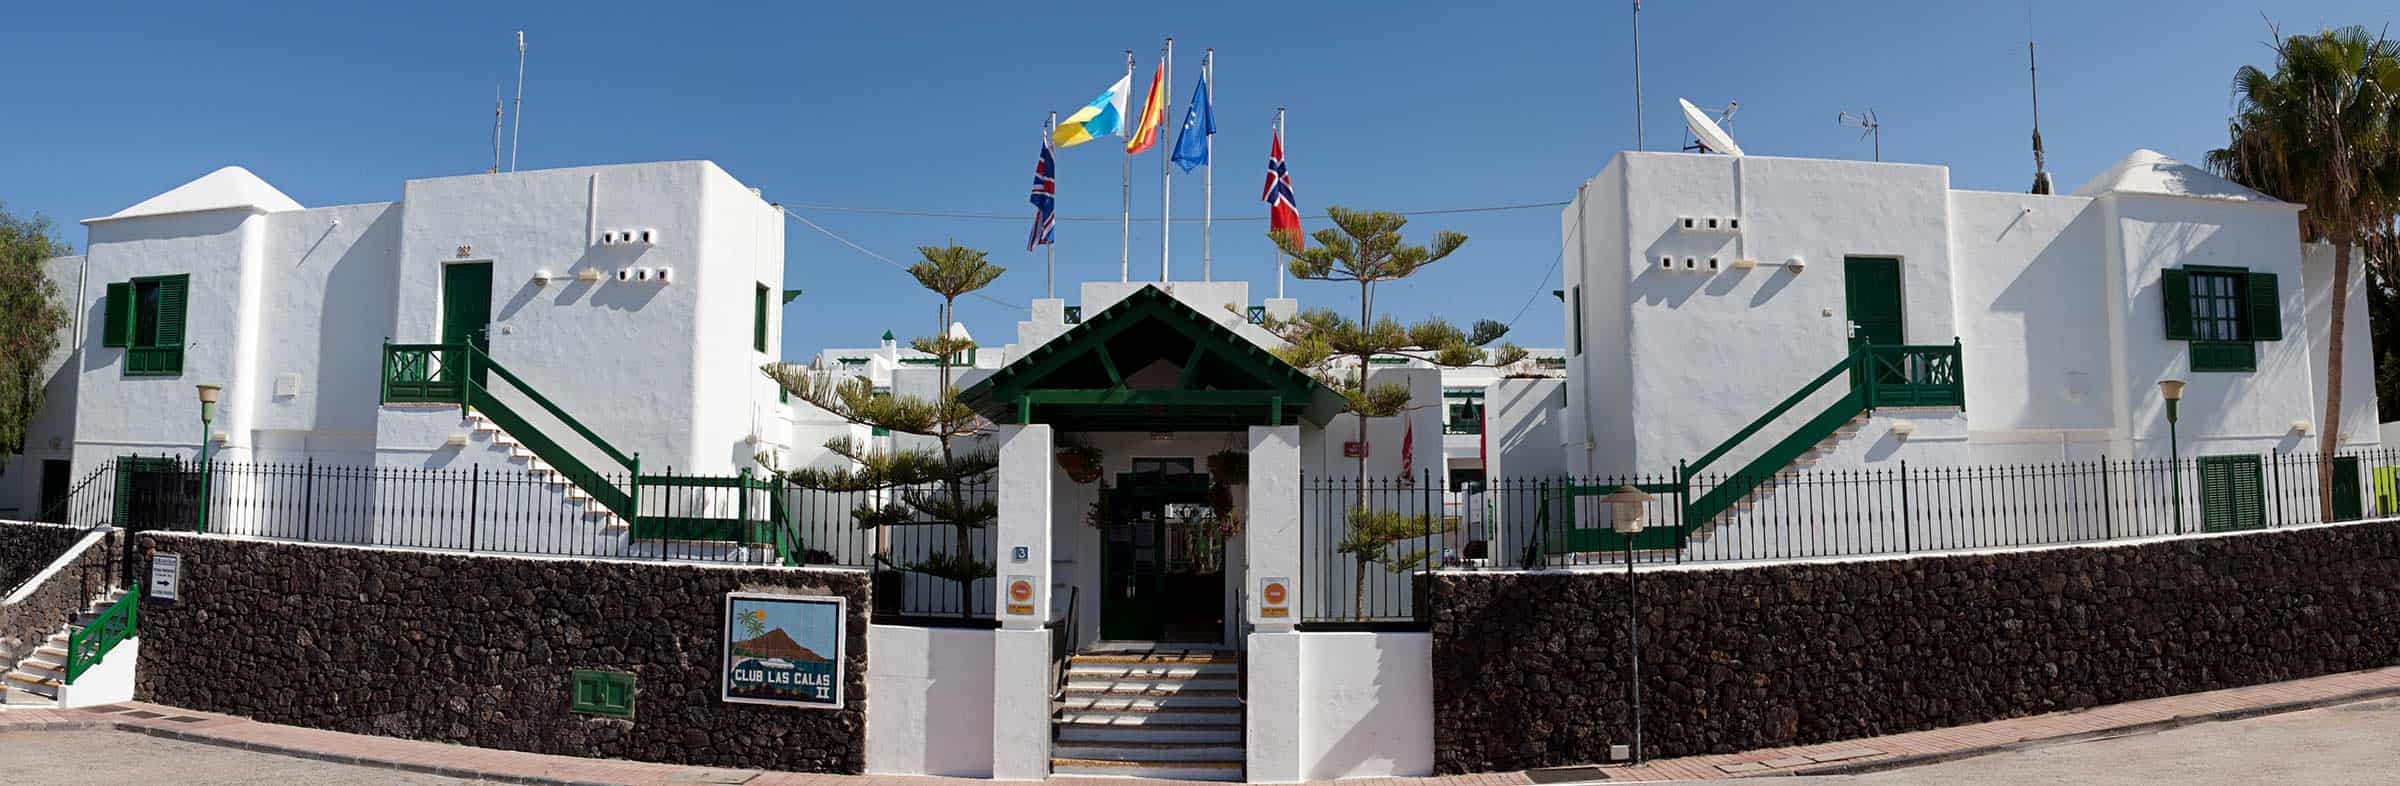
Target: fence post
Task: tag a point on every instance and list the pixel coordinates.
(308, 502)
(474, 508)
(2108, 504)
(741, 507)
(1907, 513)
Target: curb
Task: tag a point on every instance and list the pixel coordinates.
(2148, 727)
(336, 758)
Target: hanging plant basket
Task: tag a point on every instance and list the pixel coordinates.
(1229, 467)
(1082, 463)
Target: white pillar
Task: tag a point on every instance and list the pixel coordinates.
(1021, 647)
(1271, 549)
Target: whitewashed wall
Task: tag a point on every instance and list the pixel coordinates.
(931, 712)
(51, 433)
(1366, 705)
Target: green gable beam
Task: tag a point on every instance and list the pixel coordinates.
(1168, 398)
(1108, 363)
(1191, 366)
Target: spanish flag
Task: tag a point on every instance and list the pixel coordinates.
(1154, 113)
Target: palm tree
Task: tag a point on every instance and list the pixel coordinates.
(2323, 129)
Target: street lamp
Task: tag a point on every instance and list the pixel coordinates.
(2172, 389)
(208, 414)
(1625, 507)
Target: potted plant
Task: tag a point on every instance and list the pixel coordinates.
(1081, 461)
(1230, 467)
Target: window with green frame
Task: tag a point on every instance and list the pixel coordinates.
(1464, 415)
(2222, 311)
(758, 319)
(147, 317)
(879, 431)
(597, 692)
(2232, 493)
(1575, 303)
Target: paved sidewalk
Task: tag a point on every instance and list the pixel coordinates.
(1860, 755)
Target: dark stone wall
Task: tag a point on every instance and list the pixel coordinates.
(25, 551)
(1532, 669)
(477, 650)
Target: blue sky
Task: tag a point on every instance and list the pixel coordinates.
(897, 105)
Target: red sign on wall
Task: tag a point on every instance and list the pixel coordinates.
(1354, 449)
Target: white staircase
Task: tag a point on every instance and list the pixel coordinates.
(499, 439)
(37, 677)
(1150, 712)
(1766, 488)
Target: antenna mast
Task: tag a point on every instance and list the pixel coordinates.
(2041, 167)
(497, 114)
(1637, 74)
(519, 129)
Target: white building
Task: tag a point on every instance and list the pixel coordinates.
(636, 301)
(1704, 290)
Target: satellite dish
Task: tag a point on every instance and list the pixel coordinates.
(1712, 138)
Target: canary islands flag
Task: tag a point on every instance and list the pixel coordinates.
(1104, 116)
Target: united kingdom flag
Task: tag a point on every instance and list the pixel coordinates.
(1044, 199)
(1283, 214)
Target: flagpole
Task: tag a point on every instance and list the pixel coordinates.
(1287, 157)
(1125, 248)
(1208, 179)
(1050, 261)
(1166, 188)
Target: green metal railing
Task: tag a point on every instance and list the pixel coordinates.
(91, 643)
(1895, 375)
(448, 374)
(761, 514)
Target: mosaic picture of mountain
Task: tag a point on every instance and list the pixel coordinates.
(783, 649)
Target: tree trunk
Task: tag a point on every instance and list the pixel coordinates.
(2330, 437)
(1358, 593)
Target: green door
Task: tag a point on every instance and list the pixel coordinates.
(1871, 287)
(1162, 573)
(2346, 503)
(467, 309)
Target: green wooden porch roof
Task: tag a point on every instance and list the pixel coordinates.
(1091, 378)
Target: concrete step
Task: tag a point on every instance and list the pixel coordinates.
(1149, 751)
(1150, 686)
(15, 695)
(19, 679)
(1102, 733)
(44, 668)
(1122, 703)
(1140, 671)
(1194, 717)
(1185, 771)
(1155, 657)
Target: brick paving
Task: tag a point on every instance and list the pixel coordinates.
(1842, 756)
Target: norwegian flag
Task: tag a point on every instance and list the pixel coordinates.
(1283, 214)
(1044, 199)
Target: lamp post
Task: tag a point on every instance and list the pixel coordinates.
(1626, 506)
(208, 415)
(2172, 389)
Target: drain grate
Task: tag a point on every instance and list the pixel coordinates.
(185, 719)
(143, 714)
(106, 709)
(1566, 775)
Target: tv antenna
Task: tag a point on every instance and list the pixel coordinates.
(497, 114)
(1708, 135)
(1868, 125)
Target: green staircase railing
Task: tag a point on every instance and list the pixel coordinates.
(1895, 375)
(91, 643)
(449, 374)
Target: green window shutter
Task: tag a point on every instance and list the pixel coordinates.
(116, 321)
(2265, 306)
(2249, 492)
(2177, 285)
(124, 494)
(2216, 494)
(758, 320)
(2224, 356)
(593, 692)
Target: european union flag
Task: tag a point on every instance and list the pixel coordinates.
(1199, 121)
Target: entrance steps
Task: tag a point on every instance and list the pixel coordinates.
(1767, 487)
(500, 440)
(1150, 713)
(36, 679)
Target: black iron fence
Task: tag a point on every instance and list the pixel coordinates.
(926, 569)
(1364, 543)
